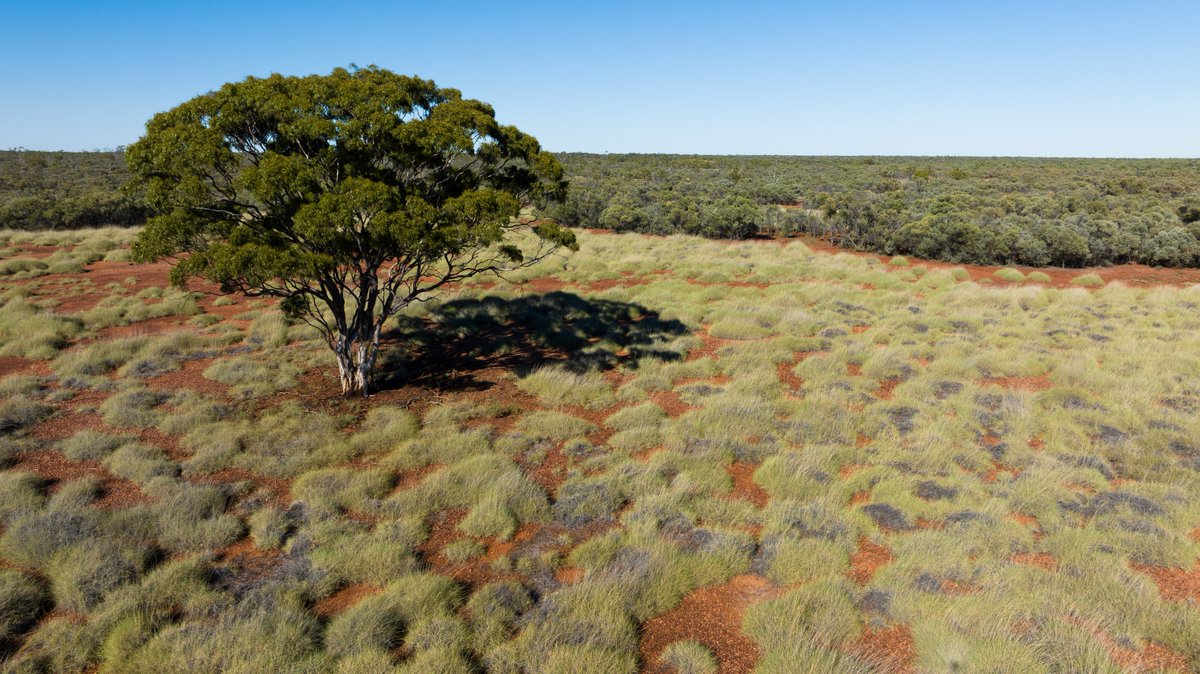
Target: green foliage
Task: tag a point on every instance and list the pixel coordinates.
(65, 190)
(22, 600)
(1034, 212)
(29, 332)
(381, 622)
(276, 186)
(688, 657)
(1010, 275)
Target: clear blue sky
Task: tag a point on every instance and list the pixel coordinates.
(1050, 78)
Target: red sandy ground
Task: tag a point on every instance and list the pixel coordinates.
(1032, 384)
(1152, 658)
(867, 560)
(713, 617)
(343, 599)
(792, 382)
(1174, 584)
(1043, 560)
(744, 486)
(890, 649)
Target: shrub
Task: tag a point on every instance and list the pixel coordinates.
(89, 445)
(556, 386)
(1009, 274)
(20, 494)
(688, 657)
(82, 576)
(553, 425)
(899, 261)
(1039, 277)
(379, 622)
(19, 412)
(22, 601)
(133, 408)
(34, 540)
(341, 489)
(1089, 280)
(140, 463)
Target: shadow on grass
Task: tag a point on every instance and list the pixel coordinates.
(449, 347)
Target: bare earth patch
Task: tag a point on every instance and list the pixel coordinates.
(891, 649)
(1174, 584)
(867, 560)
(343, 599)
(713, 617)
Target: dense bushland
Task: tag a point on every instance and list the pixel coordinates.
(65, 190)
(1062, 212)
(1068, 212)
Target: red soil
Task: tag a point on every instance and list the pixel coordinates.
(1042, 560)
(997, 469)
(148, 327)
(545, 284)
(190, 376)
(860, 497)
(1152, 658)
(344, 598)
(1033, 384)
(867, 560)
(890, 649)
(792, 382)
(280, 489)
(569, 575)
(411, 478)
(444, 531)
(552, 471)
(10, 365)
(886, 387)
(1174, 584)
(115, 493)
(854, 369)
(859, 329)
(670, 402)
(628, 280)
(708, 346)
(848, 470)
(1028, 521)
(713, 617)
(744, 486)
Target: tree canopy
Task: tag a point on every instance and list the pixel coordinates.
(349, 196)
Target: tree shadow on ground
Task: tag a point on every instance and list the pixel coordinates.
(449, 347)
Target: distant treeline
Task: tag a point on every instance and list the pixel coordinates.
(65, 190)
(1068, 212)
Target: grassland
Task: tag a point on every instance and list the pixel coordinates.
(668, 454)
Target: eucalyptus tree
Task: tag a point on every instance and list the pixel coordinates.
(349, 196)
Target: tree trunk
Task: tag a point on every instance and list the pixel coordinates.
(356, 360)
